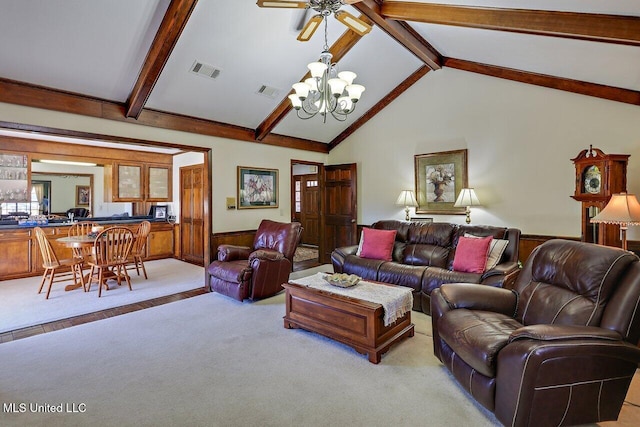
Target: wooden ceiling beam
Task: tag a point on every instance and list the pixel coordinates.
(611, 93)
(380, 105)
(339, 49)
(585, 26)
(402, 33)
(174, 21)
(50, 99)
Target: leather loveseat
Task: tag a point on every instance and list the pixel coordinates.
(560, 348)
(423, 255)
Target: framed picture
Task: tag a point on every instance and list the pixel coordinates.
(257, 188)
(158, 212)
(83, 195)
(439, 179)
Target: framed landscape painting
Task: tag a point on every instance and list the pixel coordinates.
(257, 188)
(439, 178)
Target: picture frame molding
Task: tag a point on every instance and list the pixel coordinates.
(245, 171)
(460, 180)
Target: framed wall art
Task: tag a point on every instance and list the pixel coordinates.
(257, 188)
(83, 195)
(158, 211)
(439, 179)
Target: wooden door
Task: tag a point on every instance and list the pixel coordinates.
(309, 215)
(339, 227)
(192, 214)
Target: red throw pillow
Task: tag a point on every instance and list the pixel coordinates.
(471, 254)
(377, 244)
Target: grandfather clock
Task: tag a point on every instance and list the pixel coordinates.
(598, 176)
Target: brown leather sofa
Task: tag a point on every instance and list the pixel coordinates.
(558, 349)
(259, 271)
(423, 257)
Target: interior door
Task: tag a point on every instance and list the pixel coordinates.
(339, 225)
(192, 214)
(309, 215)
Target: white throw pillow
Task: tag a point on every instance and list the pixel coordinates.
(496, 249)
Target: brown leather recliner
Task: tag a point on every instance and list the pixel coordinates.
(256, 272)
(558, 349)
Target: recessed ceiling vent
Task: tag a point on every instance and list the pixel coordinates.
(268, 91)
(205, 70)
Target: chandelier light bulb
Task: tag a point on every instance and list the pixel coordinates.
(295, 101)
(317, 69)
(302, 90)
(313, 83)
(355, 92)
(337, 86)
(347, 76)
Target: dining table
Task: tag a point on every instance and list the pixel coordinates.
(76, 242)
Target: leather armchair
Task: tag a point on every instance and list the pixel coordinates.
(259, 271)
(558, 349)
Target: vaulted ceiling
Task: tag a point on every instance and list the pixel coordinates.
(131, 60)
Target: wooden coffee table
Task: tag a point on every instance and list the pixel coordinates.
(354, 322)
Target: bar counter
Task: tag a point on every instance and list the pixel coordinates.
(20, 255)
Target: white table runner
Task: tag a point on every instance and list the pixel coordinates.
(396, 300)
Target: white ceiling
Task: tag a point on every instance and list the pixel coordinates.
(97, 48)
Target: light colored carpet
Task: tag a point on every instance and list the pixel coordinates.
(304, 253)
(212, 361)
(22, 306)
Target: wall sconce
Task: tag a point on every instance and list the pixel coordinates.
(467, 198)
(623, 209)
(407, 199)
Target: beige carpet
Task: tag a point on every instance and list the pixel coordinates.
(21, 305)
(304, 253)
(212, 361)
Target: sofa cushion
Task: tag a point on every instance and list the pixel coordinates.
(471, 254)
(477, 336)
(427, 255)
(232, 271)
(401, 274)
(362, 267)
(495, 251)
(376, 244)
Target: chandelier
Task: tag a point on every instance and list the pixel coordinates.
(327, 91)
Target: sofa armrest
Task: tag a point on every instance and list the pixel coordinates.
(563, 332)
(339, 255)
(233, 252)
(501, 274)
(266, 255)
(479, 297)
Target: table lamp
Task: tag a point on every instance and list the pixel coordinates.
(623, 209)
(467, 198)
(407, 199)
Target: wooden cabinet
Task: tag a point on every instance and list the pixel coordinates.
(192, 214)
(160, 241)
(136, 182)
(15, 253)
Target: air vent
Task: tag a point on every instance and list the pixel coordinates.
(268, 91)
(205, 70)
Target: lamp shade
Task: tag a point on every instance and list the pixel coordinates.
(406, 198)
(622, 209)
(467, 197)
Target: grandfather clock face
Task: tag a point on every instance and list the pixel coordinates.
(592, 180)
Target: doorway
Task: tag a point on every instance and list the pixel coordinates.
(323, 200)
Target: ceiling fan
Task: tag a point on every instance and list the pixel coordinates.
(324, 8)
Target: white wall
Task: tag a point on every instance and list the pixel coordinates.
(520, 139)
(227, 155)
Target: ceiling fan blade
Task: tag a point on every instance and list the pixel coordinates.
(301, 19)
(351, 1)
(282, 4)
(352, 22)
(310, 28)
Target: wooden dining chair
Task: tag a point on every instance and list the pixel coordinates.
(56, 270)
(136, 258)
(111, 250)
(82, 229)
